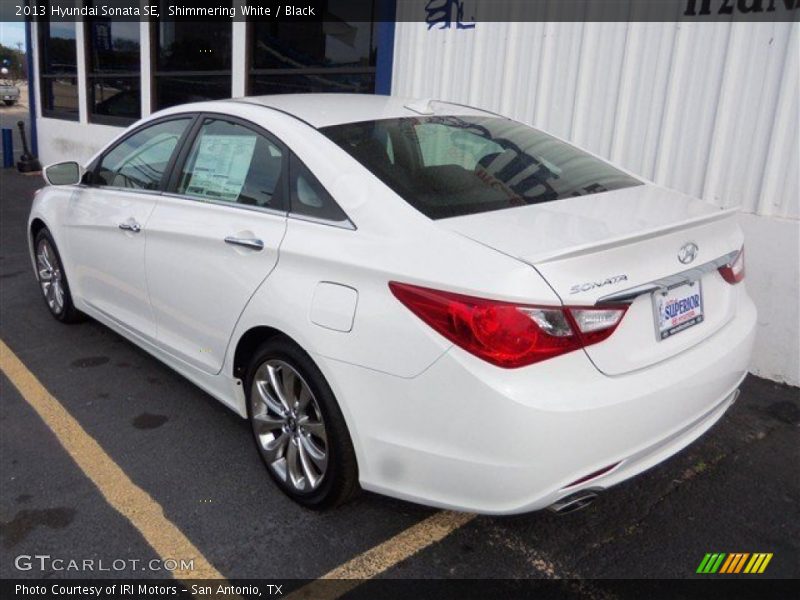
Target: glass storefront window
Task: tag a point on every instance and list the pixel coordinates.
(58, 69)
(193, 62)
(113, 56)
(300, 56)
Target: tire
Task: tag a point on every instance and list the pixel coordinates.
(10, 102)
(55, 290)
(307, 450)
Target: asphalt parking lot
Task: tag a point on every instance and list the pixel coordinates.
(735, 490)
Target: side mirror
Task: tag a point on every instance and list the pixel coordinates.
(65, 173)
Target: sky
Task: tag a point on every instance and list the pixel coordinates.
(11, 33)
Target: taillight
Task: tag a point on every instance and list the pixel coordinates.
(505, 334)
(733, 272)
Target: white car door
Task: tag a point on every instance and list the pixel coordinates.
(107, 223)
(214, 237)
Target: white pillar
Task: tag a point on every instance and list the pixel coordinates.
(80, 39)
(239, 53)
(145, 76)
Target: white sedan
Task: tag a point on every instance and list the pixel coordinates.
(417, 298)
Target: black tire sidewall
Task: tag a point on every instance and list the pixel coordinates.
(342, 472)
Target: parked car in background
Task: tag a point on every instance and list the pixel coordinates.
(427, 300)
(9, 93)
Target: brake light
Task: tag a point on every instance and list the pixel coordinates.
(733, 272)
(505, 334)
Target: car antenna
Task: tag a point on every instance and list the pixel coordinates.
(422, 106)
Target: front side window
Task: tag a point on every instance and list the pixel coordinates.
(139, 161)
(114, 67)
(452, 166)
(58, 69)
(229, 162)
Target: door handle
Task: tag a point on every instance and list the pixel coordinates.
(252, 243)
(131, 226)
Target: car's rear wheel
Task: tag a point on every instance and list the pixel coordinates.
(52, 279)
(298, 428)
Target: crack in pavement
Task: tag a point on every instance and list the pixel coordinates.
(546, 566)
(676, 484)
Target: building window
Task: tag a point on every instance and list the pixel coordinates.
(193, 61)
(112, 50)
(302, 56)
(58, 69)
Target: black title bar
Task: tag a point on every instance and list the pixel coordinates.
(438, 14)
(744, 587)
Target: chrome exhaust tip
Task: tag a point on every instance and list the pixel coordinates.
(574, 502)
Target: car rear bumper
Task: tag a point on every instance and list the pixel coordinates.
(469, 436)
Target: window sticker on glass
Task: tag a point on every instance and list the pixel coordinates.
(221, 166)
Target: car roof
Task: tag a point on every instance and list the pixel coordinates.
(322, 110)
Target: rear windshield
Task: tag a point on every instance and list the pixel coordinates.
(453, 166)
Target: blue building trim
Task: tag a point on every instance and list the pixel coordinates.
(387, 11)
(34, 138)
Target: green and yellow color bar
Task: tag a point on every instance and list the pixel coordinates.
(736, 562)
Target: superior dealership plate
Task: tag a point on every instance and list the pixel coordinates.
(677, 309)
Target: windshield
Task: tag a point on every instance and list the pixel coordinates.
(453, 166)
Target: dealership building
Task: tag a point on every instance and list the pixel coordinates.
(710, 109)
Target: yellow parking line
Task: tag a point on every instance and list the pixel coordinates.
(131, 501)
(147, 516)
(382, 557)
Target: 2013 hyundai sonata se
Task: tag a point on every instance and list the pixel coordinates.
(414, 297)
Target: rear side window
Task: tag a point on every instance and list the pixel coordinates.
(229, 162)
(309, 197)
(139, 161)
(452, 166)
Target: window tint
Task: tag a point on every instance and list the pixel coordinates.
(452, 166)
(139, 161)
(309, 198)
(232, 163)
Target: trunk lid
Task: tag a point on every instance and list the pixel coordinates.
(590, 247)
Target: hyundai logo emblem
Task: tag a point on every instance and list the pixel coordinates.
(688, 253)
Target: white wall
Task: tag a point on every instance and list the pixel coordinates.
(710, 109)
(70, 140)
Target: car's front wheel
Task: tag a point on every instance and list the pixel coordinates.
(298, 428)
(52, 279)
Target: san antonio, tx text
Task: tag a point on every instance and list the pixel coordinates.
(222, 590)
(172, 10)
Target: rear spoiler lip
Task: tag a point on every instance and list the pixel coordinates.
(575, 251)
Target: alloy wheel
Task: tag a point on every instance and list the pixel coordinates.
(289, 427)
(51, 277)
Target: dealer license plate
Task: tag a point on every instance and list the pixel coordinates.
(678, 309)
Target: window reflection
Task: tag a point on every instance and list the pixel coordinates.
(113, 53)
(58, 69)
(193, 62)
(302, 56)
